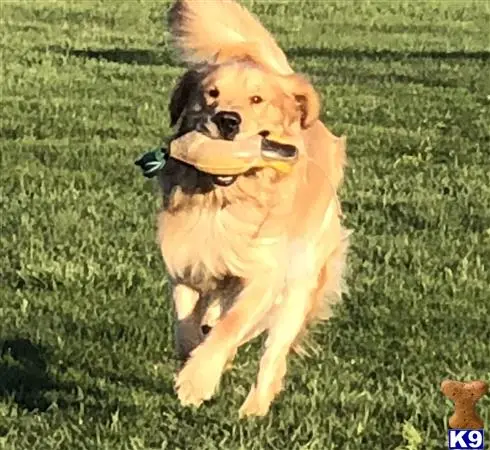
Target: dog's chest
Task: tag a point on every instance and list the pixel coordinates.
(200, 244)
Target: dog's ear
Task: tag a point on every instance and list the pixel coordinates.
(179, 99)
(306, 97)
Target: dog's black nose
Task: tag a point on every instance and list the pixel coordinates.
(228, 124)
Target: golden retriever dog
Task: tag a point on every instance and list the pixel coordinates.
(259, 252)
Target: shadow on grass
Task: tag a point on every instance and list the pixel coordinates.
(23, 373)
(353, 77)
(387, 55)
(147, 57)
(138, 57)
(24, 377)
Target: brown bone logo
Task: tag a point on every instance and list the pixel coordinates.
(465, 397)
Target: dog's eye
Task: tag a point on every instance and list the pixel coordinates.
(213, 93)
(256, 99)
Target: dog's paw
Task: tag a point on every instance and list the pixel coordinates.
(199, 378)
(255, 404)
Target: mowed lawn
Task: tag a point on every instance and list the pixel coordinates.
(86, 344)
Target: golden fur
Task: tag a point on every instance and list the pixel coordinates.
(267, 252)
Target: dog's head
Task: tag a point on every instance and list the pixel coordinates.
(239, 99)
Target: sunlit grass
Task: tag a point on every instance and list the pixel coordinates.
(86, 356)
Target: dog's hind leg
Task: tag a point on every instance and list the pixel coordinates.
(285, 326)
(188, 332)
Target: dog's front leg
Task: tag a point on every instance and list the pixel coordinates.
(199, 378)
(288, 320)
(188, 332)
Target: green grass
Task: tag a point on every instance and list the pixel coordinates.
(86, 351)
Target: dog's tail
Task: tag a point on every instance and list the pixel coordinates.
(213, 31)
